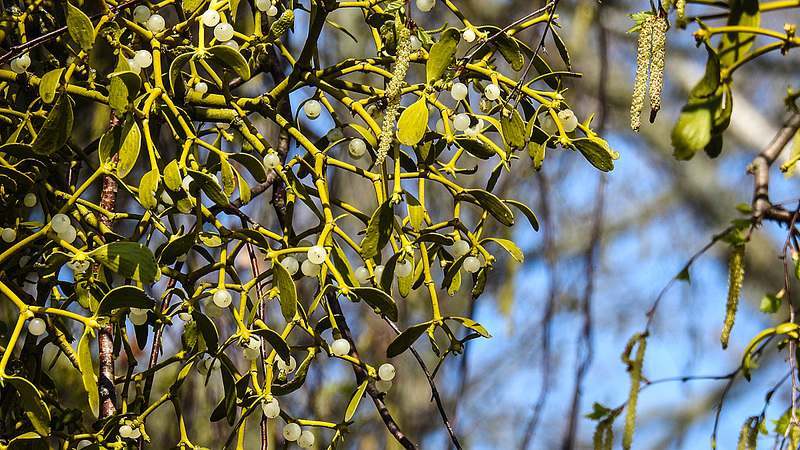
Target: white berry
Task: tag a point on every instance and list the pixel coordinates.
(426, 5)
(251, 353)
(271, 408)
(317, 254)
(232, 44)
(383, 385)
(568, 120)
(471, 264)
(306, 439)
(272, 11)
(212, 310)
(24, 260)
(403, 268)
(9, 234)
(21, 64)
(223, 31)
(459, 91)
(312, 108)
(134, 66)
(222, 298)
(492, 91)
(548, 124)
(125, 431)
(202, 366)
(210, 18)
(29, 200)
(362, 275)
(144, 58)
(340, 347)
(36, 327)
(461, 122)
(334, 134)
(263, 5)
(138, 319)
(386, 372)
(141, 13)
(156, 23)
(291, 431)
(287, 367)
(378, 270)
(460, 248)
(291, 264)
(253, 342)
(469, 35)
(357, 148)
(69, 235)
(310, 269)
(184, 316)
(416, 44)
(272, 160)
(82, 444)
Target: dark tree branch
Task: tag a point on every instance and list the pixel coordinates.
(763, 209)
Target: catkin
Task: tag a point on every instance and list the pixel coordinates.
(680, 7)
(735, 278)
(603, 436)
(752, 435)
(393, 93)
(743, 436)
(635, 368)
(794, 435)
(659, 46)
(643, 55)
(280, 26)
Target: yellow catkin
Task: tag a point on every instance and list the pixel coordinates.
(735, 278)
(794, 435)
(609, 439)
(659, 47)
(393, 93)
(752, 435)
(603, 436)
(743, 436)
(680, 7)
(280, 26)
(635, 369)
(643, 55)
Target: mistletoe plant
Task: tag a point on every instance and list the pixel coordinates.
(141, 228)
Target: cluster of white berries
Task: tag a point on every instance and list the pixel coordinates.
(252, 348)
(142, 59)
(208, 364)
(267, 6)
(567, 118)
(127, 431)
(61, 225)
(217, 302)
(386, 373)
(293, 432)
(471, 264)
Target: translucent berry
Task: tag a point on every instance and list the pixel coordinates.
(357, 148)
(287, 367)
(36, 327)
(568, 120)
(306, 439)
(386, 372)
(383, 385)
(202, 366)
(184, 316)
(141, 13)
(138, 319)
(460, 248)
(253, 342)
(291, 431)
(8, 234)
(548, 124)
(223, 31)
(200, 87)
(440, 126)
(135, 433)
(378, 270)
(312, 108)
(251, 353)
(492, 91)
(29, 200)
(214, 364)
(222, 298)
(472, 131)
(271, 408)
(210, 18)
(80, 266)
(334, 134)
(485, 104)
(182, 258)
(272, 11)
(187, 182)
(263, 5)
(156, 23)
(459, 91)
(70, 235)
(362, 275)
(375, 112)
(416, 44)
(340, 347)
(291, 264)
(310, 269)
(21, 64)
(426, 5)
(212, 310)
(125, 431)
(272, 160)
(461, 122)
(403, 269)
(317, 254)
(134, 66)
(469, 35)
(232, 44)
(144, 58)
(60, 223)
(471, 264)
(24, 260)
(82, 444)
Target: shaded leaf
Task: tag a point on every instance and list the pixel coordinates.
(35, 408)
(379, 230)
(175, 70)
(129, 259)
(379, 300)
(288, 291)
(252, 164)
(442, 55)
(122, 297)
(49, 83)
(275, 340)
(131, 144)
(510, 247)
(416, 212)
(525, 210)
(475, 147)
(88, 375)
(693, 131)
(207, 329)
(79, 27)
(406, 339)
(230, 58)
(733, 46)
(493, 206)
(56, 129)
(513, 129)
(597, 152)
(471, 324)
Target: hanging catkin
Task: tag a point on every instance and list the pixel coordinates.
(659, 47)
(643, 54)
(393, 93)
(735, 278)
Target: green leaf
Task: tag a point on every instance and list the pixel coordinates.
(525, 210)
(684, 276)
(210, 188)
(413, 122)
(131, 144)
(442, 55)
(124, 297)
(172, 176)
(416, 212)
(770, 304)
(123, 89)
(475, 147)
(88, 375)
(406, 339)
(184, 372)
(355, 400)
(493, 205)
(471, 324)
(148, 187)
(56, 129)
(381, 301)
(711, 80)
(597, 152)
(560, 46)
(379, 230)
(733, 46)
(252, 164)
(80, 27)
(230, 58)
(175, 70)
(513, 129)
(275, 340)
(598, 412)
(129, 259)
(510, 247)
(288, 291)
(342, 265)
(509, 48)
(192, 5)
(228, 180)
(207, 329)
(49, 83)
(34, 406)
(693, 130)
